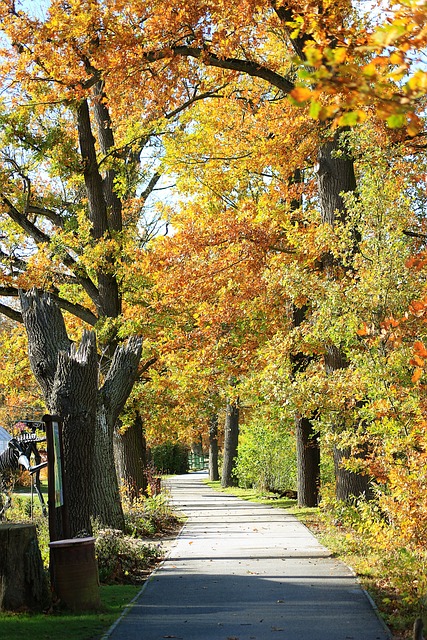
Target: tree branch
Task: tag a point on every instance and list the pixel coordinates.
(106, 142)
(38, 236)
(11, 313)
(47, 337)
(46, 213)
(108, 301)
(121, 376)
(414, 234)
(248, 67)
(195, 98)
(286, 16)
(75, 309)
(150, 186)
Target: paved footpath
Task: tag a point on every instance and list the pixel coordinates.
(243, 571)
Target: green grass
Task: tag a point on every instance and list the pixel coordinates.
(263, 497)
(69, 625)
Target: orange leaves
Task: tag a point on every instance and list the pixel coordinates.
(420, 350)
(417, 261)
(363, 330)
(418, 360)
(418, 308)
(301, 94)
(417, 374)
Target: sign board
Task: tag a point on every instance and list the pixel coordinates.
(57, 497)
(59, 488)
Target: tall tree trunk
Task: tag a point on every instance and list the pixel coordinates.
(213, 448)
(349, 483)
(231, 439)
(307, 437)
(308, 463)
(107, 507)
(68, 378)
(130, 453)
(337, 177)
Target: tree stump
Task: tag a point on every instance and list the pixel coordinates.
(23, 583)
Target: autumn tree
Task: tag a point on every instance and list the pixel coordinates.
(208, 277)
(89, 55)
(74, 183)
(318, 38)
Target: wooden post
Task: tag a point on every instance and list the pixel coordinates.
(23, 584)
(58, 513)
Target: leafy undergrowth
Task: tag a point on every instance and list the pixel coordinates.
(395, 577)
(128, 557)
(125, 560)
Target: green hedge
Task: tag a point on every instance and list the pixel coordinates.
(170, 458)
(266, 457)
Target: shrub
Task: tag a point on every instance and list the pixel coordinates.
(123, 559)
(170, 457)
(266, 457)
(149, 516)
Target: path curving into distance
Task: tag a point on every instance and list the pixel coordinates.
(245, 571)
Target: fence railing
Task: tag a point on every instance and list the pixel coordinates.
(197, 462)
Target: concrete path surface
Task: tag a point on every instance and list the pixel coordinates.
(244, 571)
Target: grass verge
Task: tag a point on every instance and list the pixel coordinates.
(69, 625)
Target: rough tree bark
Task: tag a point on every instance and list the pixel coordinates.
(22, 577)
(347, 483)
(213, 448)
(112, 397)
(308, 462)
(336, 177)
(231, 439)
(130, 452)
(69, 379)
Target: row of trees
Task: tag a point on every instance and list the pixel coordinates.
(292, 275)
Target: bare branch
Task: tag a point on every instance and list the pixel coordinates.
(414, 234)
(75, 309)
(46, 213)
(248, 67)
(11, 313)
(201, 96)
(150, 186)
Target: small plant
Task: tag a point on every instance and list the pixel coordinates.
(148, 516)
(122, 559)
